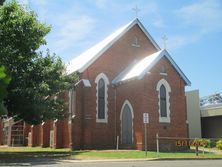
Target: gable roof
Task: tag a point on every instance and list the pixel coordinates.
(84, 60)
(137, 70)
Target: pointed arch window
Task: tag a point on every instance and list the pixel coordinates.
(101, 99)
(163, 106)
(102, 82)
(164, 90)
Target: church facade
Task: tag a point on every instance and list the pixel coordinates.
(120, 78)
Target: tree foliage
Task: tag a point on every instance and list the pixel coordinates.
(4, 81)
(1, 2)
(36, 79)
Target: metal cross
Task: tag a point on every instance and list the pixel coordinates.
(136, 10)
(164, 38)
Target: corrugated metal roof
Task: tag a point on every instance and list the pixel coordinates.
(213, 100)
(142, 67)
(84, 60)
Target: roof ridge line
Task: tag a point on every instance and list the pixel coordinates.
(98, 49)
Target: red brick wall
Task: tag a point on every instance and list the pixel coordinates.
(66, 134)
(86, 133)
(45, 133)
(78, 124)
(36, 137)
(61, 134)
(114, 60)
(57, 134)
(143, 97)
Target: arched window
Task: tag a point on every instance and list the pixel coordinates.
(163, 107)
(164, 90)
(102, 98)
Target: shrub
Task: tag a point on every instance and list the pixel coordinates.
(211, 143)
(205, 142)
(219, 144)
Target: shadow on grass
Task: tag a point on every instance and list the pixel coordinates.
(31, 158)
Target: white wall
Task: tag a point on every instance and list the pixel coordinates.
(193, 113)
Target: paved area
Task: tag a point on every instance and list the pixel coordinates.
(175, 163)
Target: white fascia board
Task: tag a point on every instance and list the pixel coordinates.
(131, 24)
(85, 82)
(212, 106)
(161, 53)
(122, 30)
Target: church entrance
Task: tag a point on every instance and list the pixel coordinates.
(127, 124)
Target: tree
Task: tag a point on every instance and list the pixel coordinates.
(35, 78)
(1, 2)
(4, 81)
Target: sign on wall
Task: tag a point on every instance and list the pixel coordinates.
(145, 118)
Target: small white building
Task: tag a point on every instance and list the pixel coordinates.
(204, 115)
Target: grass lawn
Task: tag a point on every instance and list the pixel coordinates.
(33, 149)
(138, 154)
(19, 153)
(23, 154)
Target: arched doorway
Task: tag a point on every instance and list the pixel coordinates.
(127, 123)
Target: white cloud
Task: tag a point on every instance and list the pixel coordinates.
(36, 2)
(200, 19)
(206, 15)
(72, 31)
(178, 41)
(101, 3)
(39, 2)
(159, 23)
(24, 2)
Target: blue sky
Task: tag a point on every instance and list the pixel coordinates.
(193, 29)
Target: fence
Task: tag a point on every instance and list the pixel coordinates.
(188, 145)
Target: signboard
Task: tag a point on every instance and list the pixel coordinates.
(145, 118)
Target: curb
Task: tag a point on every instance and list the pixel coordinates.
(132, 160)
(107, 160)
(181, 159)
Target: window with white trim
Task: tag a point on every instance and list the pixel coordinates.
(163, 107)
(164, 90)
(102, 98)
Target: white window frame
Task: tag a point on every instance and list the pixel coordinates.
(106, 80)
(168, 90)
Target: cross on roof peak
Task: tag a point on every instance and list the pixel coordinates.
(136, 10)
(164, 38)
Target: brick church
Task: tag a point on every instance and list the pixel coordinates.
(120, 78)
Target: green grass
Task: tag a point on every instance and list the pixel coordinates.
(32, 149)
(8, 153)
(22, 154)
(138, 154)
